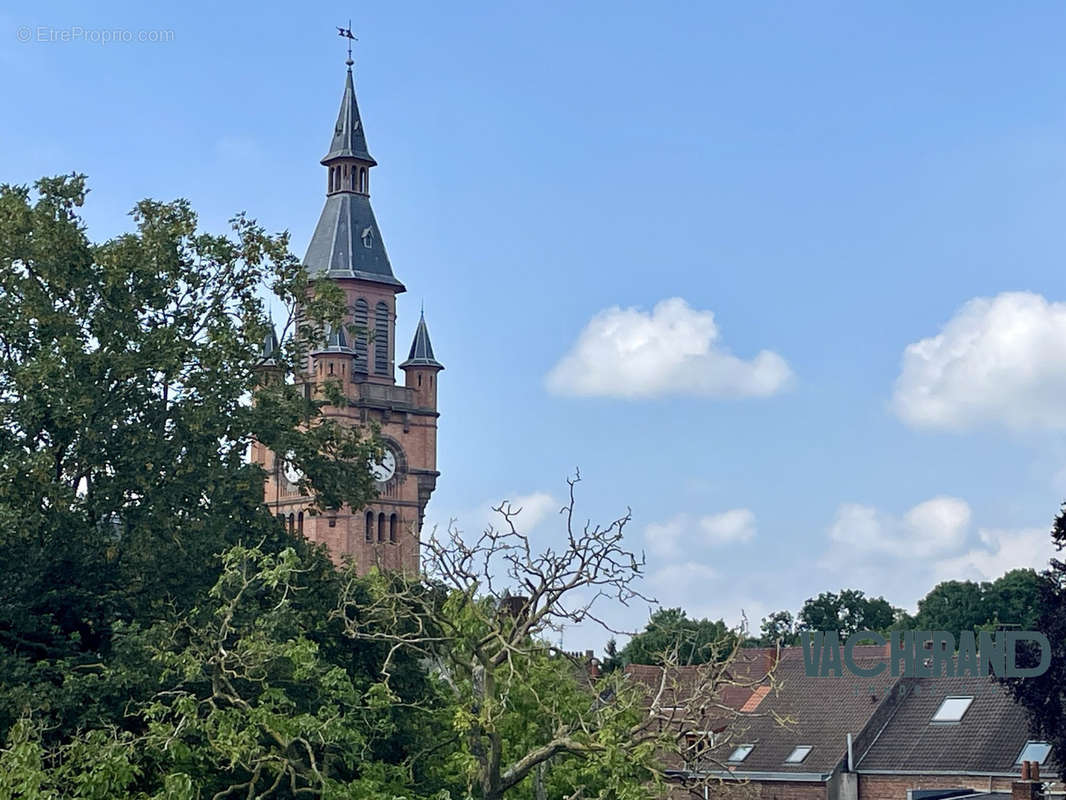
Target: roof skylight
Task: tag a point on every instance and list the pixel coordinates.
(1034, 751)
(797, 755)
(952, 709)
(741, 752)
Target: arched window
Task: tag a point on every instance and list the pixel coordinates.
(352, 182)
(362, 180)
(292, 523)
(370, 526)
(300, 523)
(361, 318)
(381, 337)
(381, 527)
(392, 529)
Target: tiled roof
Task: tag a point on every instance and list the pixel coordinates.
(889, 718)
(799, 710)
(987, 740)
(816, 711)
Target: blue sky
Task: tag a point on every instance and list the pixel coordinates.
(870, 195)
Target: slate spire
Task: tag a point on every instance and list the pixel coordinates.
(349, 140)
(421, 354)
(269, 352)
(347, 242)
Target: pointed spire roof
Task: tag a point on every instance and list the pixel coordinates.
(268, 356)
(421, 354)
(348, 137)
(347, 242)
(334, 340)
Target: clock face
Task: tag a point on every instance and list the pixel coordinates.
(383, 470)
(292, 473)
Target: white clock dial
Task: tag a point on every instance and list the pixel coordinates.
(292, 472)
(383, 470)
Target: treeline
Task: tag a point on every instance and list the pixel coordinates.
(1013, 600)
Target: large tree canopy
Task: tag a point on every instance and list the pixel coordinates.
(163, 636)
(127, 372)
(671, 634)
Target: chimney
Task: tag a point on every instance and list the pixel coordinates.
(1029, 787)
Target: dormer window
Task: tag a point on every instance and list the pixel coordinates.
(368, 237)
(698, 741)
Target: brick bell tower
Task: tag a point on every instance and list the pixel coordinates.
(347, 249)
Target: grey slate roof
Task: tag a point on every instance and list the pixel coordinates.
(348, 136)
(987, 740)
(335, 341)
(270, 347)
(421, 354)
(339, 247)
(821, 712)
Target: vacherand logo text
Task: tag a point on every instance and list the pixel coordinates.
(928, 654)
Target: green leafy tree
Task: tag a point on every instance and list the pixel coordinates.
(778, 628)
(1011, 600)
(849, 611)
(1044, 696)
(952, 606)
(1014, 599)
(128, 371)
(253, 702)
(671, 633)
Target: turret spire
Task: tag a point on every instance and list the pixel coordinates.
(348, 140)
(421, 354)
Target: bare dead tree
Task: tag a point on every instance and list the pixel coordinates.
(481, 617)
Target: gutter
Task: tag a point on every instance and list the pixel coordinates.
(806, 777)
(967, 772)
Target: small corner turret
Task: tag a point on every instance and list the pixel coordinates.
(421, 367)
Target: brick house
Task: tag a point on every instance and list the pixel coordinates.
(957, 733)
(798, 737)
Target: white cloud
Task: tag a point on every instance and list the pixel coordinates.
(997, 361)
(736, 525)
(934, 527)
(673, 350)
(1000, 551)
(903, 557)
(682, 532)
(535, 507)
(664, 538)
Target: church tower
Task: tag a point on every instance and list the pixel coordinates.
(347, 249)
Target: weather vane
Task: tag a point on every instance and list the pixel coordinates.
(347, 34)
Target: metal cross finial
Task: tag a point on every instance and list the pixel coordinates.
(347, 34)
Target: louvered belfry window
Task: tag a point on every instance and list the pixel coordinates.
(361, 319)
(381, 337)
